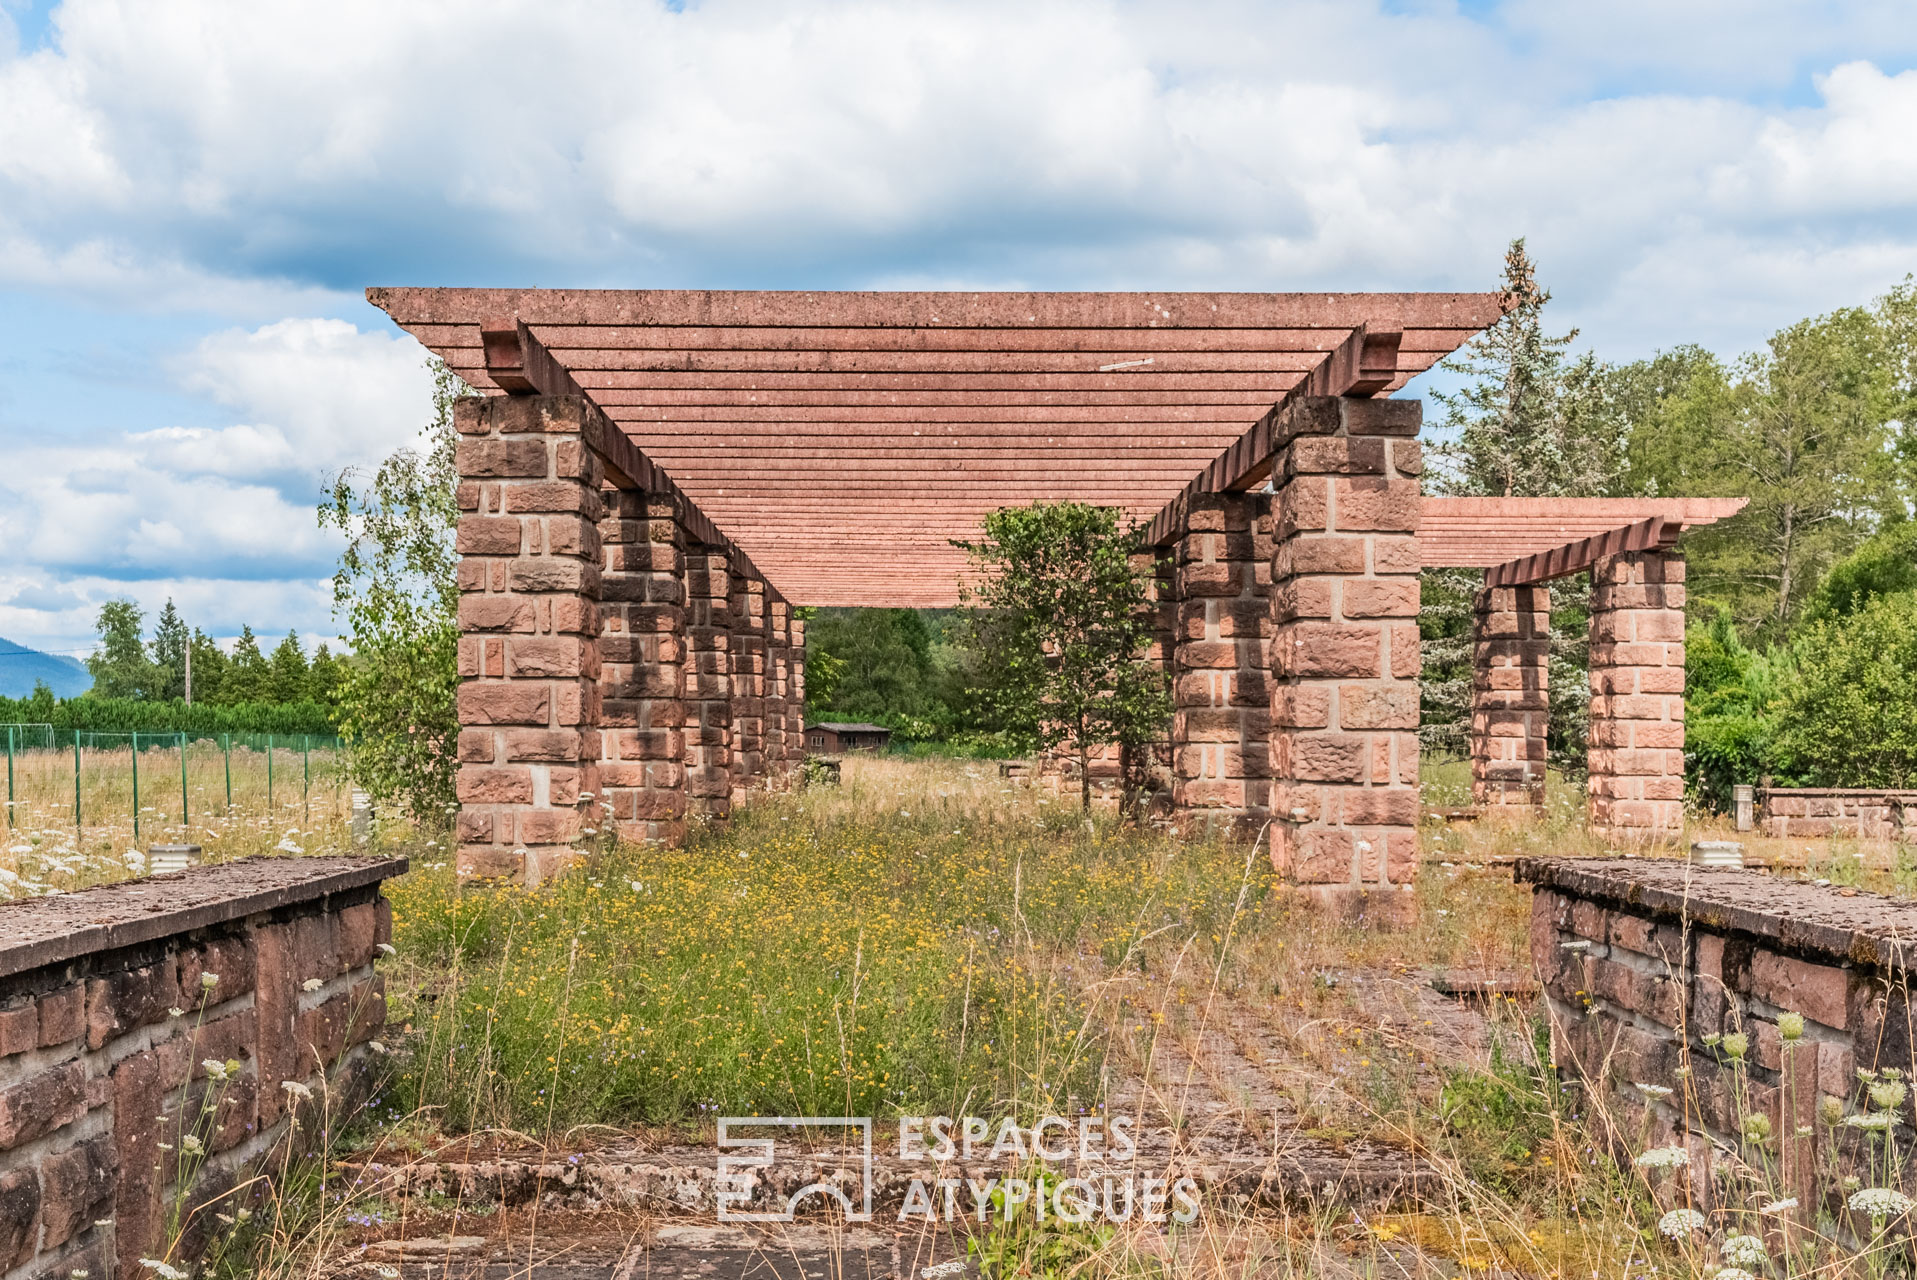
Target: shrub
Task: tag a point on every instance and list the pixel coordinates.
(1847, 715)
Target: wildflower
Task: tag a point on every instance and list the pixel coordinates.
(1744, 1251)
(1679, 1223)
(387, 1273)
(377, 1047)
(1664, 1158)
(1875, 1122)
(1888, 1095)
(162, 1270)
(1757, 1128)
(297, 1089)
(1880, 1202)
(1790, 1026)
(1733, 1273)
(78, 1273)
(176, 1013)
(191, 1145)
(1866, 1074)
(1652, 1090)
(388, 949)
(1780, 1206)
(215, 1069)
(1830, 1110)
(1803, 1131)
(1713, 1040)
(208, 981)
(1737, 1044)
(312, 984)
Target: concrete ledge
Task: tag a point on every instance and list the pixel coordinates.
(43, 931)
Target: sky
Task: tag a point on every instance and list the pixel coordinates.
(194, 196)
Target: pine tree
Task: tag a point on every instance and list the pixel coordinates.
(170, 638)
(209, 670)
(289, 681)
(323, 675)
(249, 676)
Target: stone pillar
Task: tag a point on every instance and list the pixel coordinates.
(1344, 646)
(1221, 669)
(778, 639)
(1510, 701)
(748, 681)
(795, 688)
(529, 576)
(1637, 693)
(708, 681)
(642, 637)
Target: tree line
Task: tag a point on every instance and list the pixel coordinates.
(1802, 651)
(128, 666)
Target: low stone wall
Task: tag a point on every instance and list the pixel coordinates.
(113, 1001)
(1646, 962)
(1823, 811)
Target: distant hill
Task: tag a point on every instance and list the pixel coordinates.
(20, 667)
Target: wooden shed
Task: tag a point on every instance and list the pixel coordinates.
(833, 737)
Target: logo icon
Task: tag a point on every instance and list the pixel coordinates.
(733, 1187)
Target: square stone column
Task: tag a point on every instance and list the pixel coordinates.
(708, 681)
(642, 639)
(748, 681)
(1221, 666)
(1510, 696)
(1344, 646)
(777, 659)
(795, 688)
(529, 578)
(1636, 763)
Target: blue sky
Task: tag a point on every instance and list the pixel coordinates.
(193, 196)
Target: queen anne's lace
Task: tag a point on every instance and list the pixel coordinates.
(1880, 1202)
(1679, 1223)
(1664, 1158)
(1745, 1251)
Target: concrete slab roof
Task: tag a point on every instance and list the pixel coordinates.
(841, 440)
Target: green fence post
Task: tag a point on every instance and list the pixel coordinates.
(306, 783)
(77, 824)
(226, 744)
(183, 812)
(9, 775)
(136, 788)
(269, 773)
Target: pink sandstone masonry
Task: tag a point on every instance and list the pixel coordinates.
(1344, 645)
(1221, 663)
(111, 1001)
(1646, 962)
(1510, 694)
(614, 669)
(1785, 812)
(1636, 774)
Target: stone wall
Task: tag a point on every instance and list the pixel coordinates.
(1510, 694)
(1636, 757)
(112, 1002)
(1645, 963)
(1784, 812)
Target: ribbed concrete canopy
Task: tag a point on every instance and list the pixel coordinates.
(842, 439)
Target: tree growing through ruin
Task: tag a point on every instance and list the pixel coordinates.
(1059, 618)
(398, 591)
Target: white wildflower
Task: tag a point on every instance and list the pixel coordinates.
(312, 984)
(1679, 1223)
(215, 1068)
(637, 887)
(1887, 1094)
(162, 1270)
(1652, 1090)
(1733, 1273)
(295, 1088)
(1664, 1158)
(1744, 1251)
(208, 981)
(1876, 1121)
(191, 1145)
(289, 845)
(387, 1273)
(176, 1013)
(1780, 1206)
(1880, 1202)
(377, 1047)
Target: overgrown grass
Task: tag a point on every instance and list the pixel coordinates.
(878, 950)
